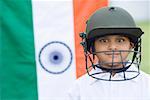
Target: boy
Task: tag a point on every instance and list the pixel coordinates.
(112, 48)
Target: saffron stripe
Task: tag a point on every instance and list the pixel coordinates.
(82, 11)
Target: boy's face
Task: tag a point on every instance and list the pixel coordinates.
(112, 43)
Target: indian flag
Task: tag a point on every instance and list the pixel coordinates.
(40, 52)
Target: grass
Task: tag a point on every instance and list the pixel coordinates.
(145, 64)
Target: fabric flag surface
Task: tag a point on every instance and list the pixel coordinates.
(40, 55)
(17, 55)
(54, 42)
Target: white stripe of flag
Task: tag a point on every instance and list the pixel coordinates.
(53, 28)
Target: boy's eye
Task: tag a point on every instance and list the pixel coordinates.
(121, 40)
(103, 40)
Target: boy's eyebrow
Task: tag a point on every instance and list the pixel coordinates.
(121, 36)
(106, 37)
(118, 36)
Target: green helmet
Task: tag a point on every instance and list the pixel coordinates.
(112, 20)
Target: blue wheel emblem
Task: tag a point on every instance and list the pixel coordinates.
(55, 57)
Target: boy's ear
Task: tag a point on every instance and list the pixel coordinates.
(132, 45)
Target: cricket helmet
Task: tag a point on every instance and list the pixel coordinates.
(111, 21)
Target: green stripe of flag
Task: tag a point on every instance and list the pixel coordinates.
(18, 69)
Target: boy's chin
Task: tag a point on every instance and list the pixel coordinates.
(114, 65)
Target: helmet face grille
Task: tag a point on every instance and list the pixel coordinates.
(127, 68)
(97, 69)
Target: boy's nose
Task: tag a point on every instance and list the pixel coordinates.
(112, 46)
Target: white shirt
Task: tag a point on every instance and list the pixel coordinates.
(88, 88)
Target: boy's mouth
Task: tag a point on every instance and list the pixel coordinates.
(112, 54)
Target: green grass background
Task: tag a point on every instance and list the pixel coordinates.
(145, 64)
